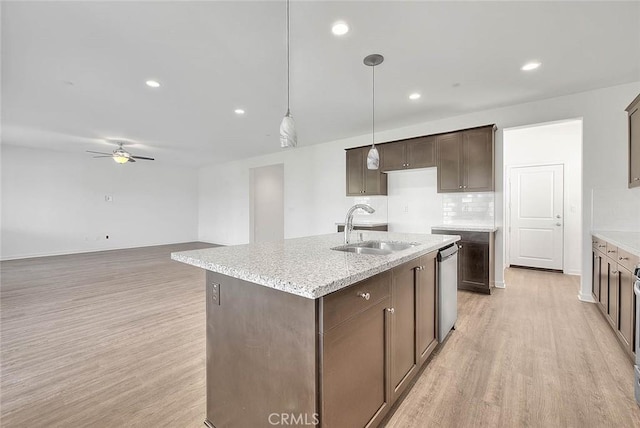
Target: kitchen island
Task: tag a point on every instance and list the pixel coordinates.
(301, 334)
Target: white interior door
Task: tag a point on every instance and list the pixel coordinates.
(537, 216)
(267, 203)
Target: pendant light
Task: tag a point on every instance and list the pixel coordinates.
(373, 157)
(288, 136)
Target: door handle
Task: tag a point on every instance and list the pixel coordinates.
(558, 216)
(558, 224)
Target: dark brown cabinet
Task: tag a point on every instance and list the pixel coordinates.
(465, 160)
(612, 289)
(381, 228)
(634, 142)
(476, 258)
(354, 382)
(413, 319)
(426, 307)
(403, 326)
(360, 179)
(407, 154)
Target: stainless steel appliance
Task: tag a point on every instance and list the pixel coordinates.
(636, 289)
(447, 290)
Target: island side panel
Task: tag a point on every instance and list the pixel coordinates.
(261, 354)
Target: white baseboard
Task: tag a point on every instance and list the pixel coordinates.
(572, 272)
(501, 284)
(586, 298)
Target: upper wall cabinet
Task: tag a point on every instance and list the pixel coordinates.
(360, 180)
(465, 160)
(634, 142)
(408, 154)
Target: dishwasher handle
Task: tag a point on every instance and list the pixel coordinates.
(447, 252)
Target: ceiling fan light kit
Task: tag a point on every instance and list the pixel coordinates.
(373, 157)
(120, 155)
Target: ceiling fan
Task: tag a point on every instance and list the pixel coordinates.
(120, 155)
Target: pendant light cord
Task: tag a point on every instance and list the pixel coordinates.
(373, 109)
(288, 60)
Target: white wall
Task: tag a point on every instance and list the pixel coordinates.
(554, 143)
(54, 203)
(315, 175)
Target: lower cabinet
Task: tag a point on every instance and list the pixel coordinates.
(355, 360)
(612, 289)
(375, 336)
(476, 259)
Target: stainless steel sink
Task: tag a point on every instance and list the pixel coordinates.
(380, 248)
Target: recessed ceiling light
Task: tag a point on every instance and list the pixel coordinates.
(239, 111)
(340, 28)
(531, 66)
(152, 84)
(414, 96)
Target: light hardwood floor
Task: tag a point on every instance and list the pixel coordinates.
(116, 339)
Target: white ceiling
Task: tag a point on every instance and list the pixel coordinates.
(214, 57)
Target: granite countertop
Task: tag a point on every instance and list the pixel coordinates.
(628, 241)
(466, 228)
(308, 267)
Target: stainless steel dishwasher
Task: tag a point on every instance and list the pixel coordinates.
(447, 290)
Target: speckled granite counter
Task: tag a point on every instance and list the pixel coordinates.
(364, 224)
(466, 228)
(628, 241)
(308, 267)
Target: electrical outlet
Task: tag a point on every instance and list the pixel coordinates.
(108, 198)
(406, 208)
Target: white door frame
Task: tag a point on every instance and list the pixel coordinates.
(507, 209)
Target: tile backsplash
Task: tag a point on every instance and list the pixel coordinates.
(378, 203)
(468, 208)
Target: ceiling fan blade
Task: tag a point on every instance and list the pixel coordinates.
(131, 159)
(141, 157)
(99, 153)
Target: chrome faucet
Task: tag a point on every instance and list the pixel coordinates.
(348, 222)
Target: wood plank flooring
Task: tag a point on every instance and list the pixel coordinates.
(116, 339)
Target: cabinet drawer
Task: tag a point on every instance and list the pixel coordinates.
(600, 245)
(342, 305)
(612, 251)
(628, 260)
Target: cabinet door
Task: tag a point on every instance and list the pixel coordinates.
(426, 307)
(604, 283)
(626, 307)
(478, 160)
(421, 152)
(449, 159)
(375, 181)
(595, 276)
(355, 369)
(355, 172)
(392, 156)
(473, 266)
(614, 289)
(403, 323)
(634, 146)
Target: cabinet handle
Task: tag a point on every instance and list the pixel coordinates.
(601, 246)
(611, 251)
(459, 246)
(391, 310)
(636, 179)
(623, 258)
(365, 296)
(460, 187)
(464, 187)
(419, 268)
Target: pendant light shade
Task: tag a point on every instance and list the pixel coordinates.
(288, 135)
(373, 157)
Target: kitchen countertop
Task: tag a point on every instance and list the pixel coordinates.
(466, 228)
(628, 241)
(308, 267)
